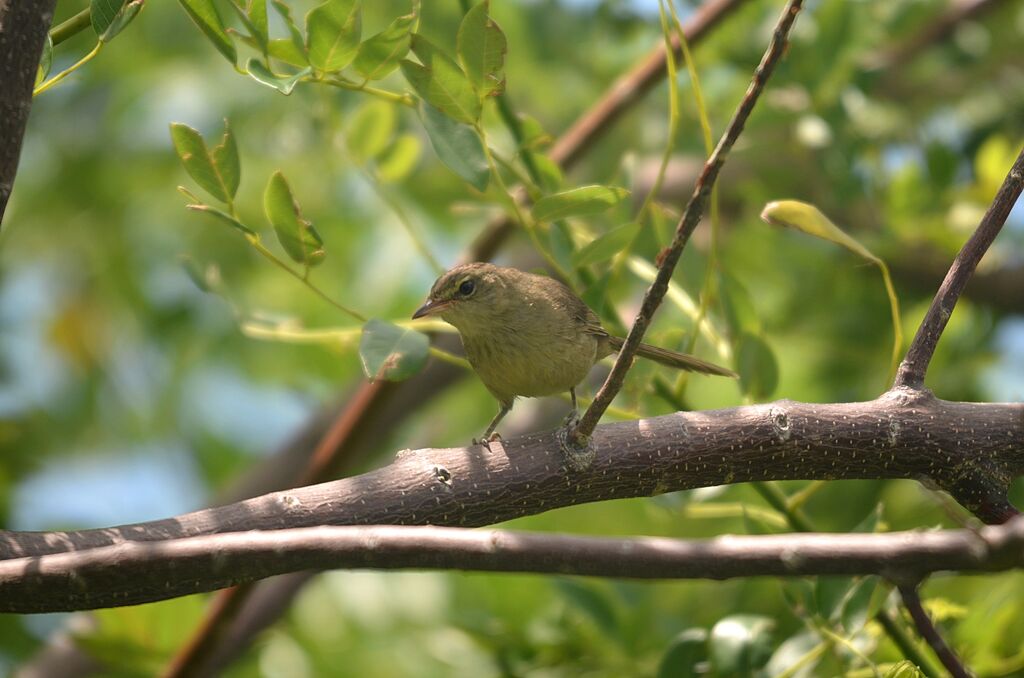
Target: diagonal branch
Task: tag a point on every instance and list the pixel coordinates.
(130, 573)
(912, 601)
(912, 371)
(23, 28)
(687, 223)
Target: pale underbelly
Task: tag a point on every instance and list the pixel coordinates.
(546, 368)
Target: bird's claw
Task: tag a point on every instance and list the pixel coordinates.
(571, 420)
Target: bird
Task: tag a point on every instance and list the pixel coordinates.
(529, 335)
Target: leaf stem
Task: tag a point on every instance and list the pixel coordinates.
(342, 83)
(70, 27)
(68, 71)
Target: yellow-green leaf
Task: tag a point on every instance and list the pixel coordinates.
(296, 235)
(482, 47)
(206, 17)
(399, 160)
(606, 246)
(219, 181)
(370, 129)
(380, 54)
(332, 34)
(441, 82)
(578, 202)
(390, 352)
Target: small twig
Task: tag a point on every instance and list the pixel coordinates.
(687, 223)
(927, 629)
(132, 572)
(914, 367)
(71, 27)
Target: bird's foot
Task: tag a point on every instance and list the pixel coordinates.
(487, 440)
(571, 420)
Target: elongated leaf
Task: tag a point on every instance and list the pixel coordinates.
(755, 361)
(684, 653)
(200, 163)
(257, 12)
(740, 644)
(458, 146)
(294, 34)
(225, 160)
(399, 160)
(332, 34)
(254, 36)
(109, 17)
(370, 129)
(205, 16)
(285, 50)
(391, 352)
(441, 82)
(283, 84)
(296, 235)
(222, 216)
(578, 202)
(380, 54)
(482, 47)
(46, 60)
(606, 246)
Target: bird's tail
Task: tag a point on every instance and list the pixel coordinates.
(679, 361)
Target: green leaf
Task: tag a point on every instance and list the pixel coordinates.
(109, 17)
(370, 129)
(296, 235)
(684, 653)
(606, 246)
(285, 50)
(829, 593)
(220, 181)
(755, 361)
(578, 202)
(332, 34)
(904, 669)
(593, 602)
(222, 216)
(551, 178)
(857, 605)
(797, 656)
(285, 12)
(257, 13)
(283, 84)
(740, 644)
(482, 47)
(391, 352)
(204, 14)
(441, 82)
(458, 146)
(225, 159)
(380, 54)
(399, 160)
(45, 60)
(253, 37)
(738, 307)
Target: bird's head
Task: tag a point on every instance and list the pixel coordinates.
(469, 297)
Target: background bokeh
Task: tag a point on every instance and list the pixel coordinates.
(127, 393)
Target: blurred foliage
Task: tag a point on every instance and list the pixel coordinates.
(138, 379)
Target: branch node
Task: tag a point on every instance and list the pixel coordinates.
(578, 450)
(780, 422)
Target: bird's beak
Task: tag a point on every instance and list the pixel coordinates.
(431, 307)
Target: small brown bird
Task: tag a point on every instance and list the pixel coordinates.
(530, 335)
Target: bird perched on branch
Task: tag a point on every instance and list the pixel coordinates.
(530, 335)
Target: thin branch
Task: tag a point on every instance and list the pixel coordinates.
(687, 223)
(138, 572)
(23, 29)
(914, 367)
(925, 626)
(71, 27)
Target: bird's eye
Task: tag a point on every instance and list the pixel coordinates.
(466, 288)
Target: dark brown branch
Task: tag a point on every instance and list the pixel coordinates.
(687, 223)
(971, 450)
(138, 572)
(914, 367)
(912, 601)
(23, 28)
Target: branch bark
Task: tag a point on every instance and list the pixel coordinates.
(23, 28)
(912, 601)
(160, 570)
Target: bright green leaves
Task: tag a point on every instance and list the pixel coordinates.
(282, 83)
(217, 171)
(482, 48)
(440, 81)
(332, 34)
(606, 246)
(687, 650)
(578, 202)
(809, 219)
(109, 17)
(370, 129)
(457, 145)
(380, 54)
(390, 352)
(297, 236)
(206, 17)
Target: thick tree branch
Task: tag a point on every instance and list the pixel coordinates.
(971, 450)
(687, 223)
(23, 28)
(912, 601)
(913, 368)
(138, 572)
